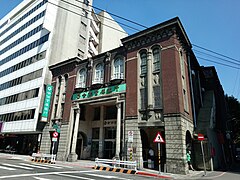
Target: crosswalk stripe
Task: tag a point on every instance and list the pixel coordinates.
(35, 166)
(61, 165)
(105, 176)
(13, 165)
(77, 177)
(50, 166)
(7, 168)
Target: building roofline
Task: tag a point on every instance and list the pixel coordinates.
(173, 21)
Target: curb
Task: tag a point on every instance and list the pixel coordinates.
(121, 170)
(153, 175)
(42, 161)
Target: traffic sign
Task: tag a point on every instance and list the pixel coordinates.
(200, 137)
(55, 134)
(158, 138)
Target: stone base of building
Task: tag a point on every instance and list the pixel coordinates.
(72, 157)
(177, 166)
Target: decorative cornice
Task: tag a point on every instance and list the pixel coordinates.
(150, 38)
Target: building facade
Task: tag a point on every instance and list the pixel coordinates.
(140, 89)
(34, 35)
(92, 117)
(116, 103)
(158, 96)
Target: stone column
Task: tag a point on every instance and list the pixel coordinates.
(101, 133)
(60, 93)
(149, 79)
(73, 156)
(118, 131)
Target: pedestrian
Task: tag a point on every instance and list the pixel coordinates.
(189, 160)
(150, 158)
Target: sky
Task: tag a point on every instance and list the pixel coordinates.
(213, 25)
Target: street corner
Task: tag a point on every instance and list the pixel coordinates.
(156, 175)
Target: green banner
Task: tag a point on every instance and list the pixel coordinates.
(47, 102)
(100, 92)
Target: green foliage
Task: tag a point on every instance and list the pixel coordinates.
(233, 106)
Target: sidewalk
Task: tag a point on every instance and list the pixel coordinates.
(142, 172)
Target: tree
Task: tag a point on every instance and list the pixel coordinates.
(234, 117)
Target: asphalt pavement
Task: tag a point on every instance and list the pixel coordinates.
(143, 172)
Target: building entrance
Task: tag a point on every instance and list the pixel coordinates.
(150, 149)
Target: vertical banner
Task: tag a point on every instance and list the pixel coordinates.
(47, 102)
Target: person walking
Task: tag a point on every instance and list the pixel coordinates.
(189, 161)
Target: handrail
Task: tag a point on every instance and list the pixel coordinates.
(43, 156)
(114, 162)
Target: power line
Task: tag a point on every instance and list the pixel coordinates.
(101, 15)
(147, 27)
(238, 64)
(216, 53)
(134, 22)
(85, 16)
(217, 62)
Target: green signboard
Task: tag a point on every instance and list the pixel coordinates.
(100, 92)
(47, 102)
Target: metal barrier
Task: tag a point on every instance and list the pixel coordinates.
(115, 162)
(41, 157)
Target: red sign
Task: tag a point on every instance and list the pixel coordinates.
(55, 134)
(200, 137)
(158, 138)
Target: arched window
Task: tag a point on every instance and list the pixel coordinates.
(98, 78)
(118, 69)
(82, 78)
(143, 57)
(156, 59)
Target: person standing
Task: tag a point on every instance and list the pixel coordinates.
(151, 158)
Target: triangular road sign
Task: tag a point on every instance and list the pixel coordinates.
(158, 138)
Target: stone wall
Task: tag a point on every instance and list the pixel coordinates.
(175, 134)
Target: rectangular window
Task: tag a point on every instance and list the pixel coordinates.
(96, 113)
(82, 112)
(143, 95)
(95, 133)
(110, 133)
(83, 26)
(111, 112)
(157, 97)
(185, 99)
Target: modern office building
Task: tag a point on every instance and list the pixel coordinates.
(34, 35)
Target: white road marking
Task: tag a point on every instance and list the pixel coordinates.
(78, 177)
(34, 166)
(61, 165)
(42, 174)
(13, 165)
(7, 168)
(39, 178)
(50, 166)
(107, 177)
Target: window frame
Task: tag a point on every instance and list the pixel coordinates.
(98, 73)
(118, 68)
(82, 77)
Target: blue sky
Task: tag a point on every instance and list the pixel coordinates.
(214, 25)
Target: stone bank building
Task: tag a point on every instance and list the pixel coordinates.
(144, 87)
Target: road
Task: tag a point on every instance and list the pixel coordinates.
(232, 174)
(16, 168)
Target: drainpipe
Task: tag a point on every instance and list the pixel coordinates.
(191, 89)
